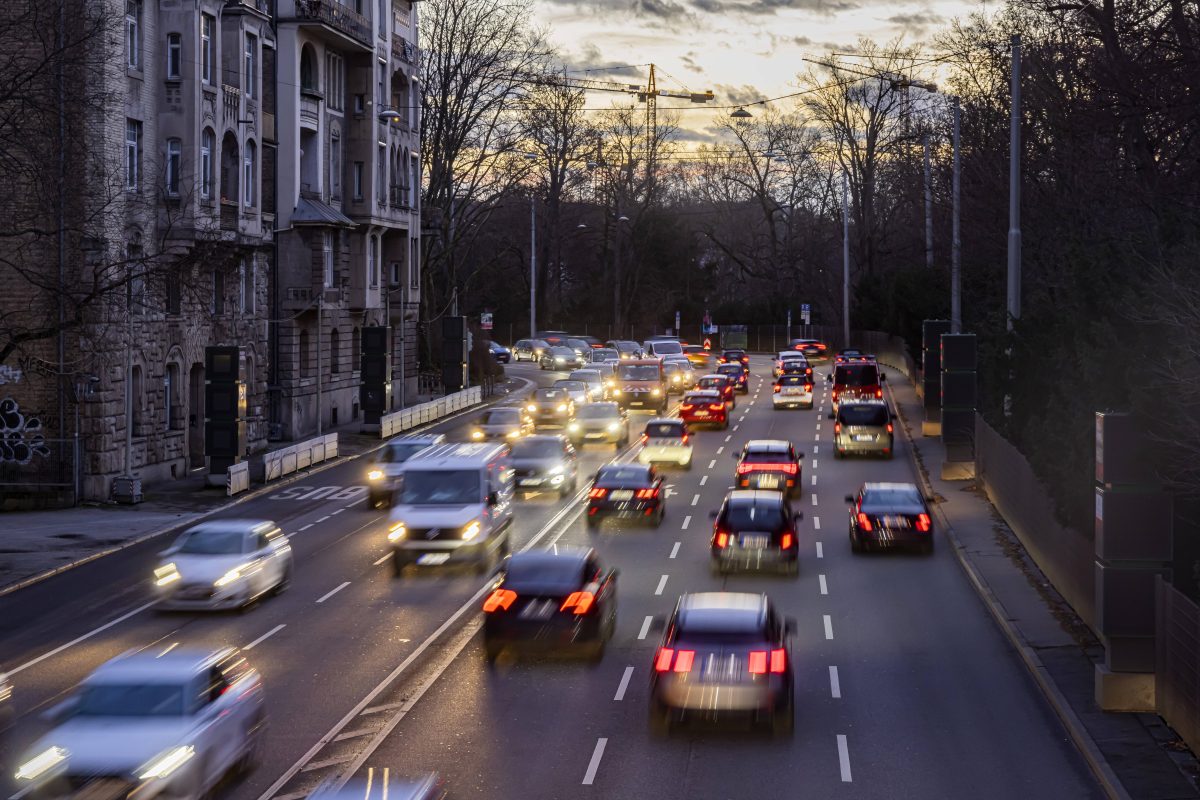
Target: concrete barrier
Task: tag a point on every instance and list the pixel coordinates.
(293, 458)
(237, 478)
(424, 413)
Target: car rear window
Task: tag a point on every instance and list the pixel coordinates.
(719, 624)
(863, 415)
(765, 516)
(702, 397)
(543, 573)
(856, 375)
(713, 383)
(664, 429)
(765, 457)
(891, 498)
(730, 369)
(623, 476)
(793, 380)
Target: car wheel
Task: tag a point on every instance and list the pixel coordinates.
(660, 719)
(399, 562)
(855, 543)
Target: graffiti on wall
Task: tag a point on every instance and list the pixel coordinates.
(21, 436)
(9, 374)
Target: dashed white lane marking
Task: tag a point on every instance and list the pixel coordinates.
(645, 627)
(695, 499)
(721, 449)
(835, 685)
(381, 560)
(843, 757)
(816, 438)
(712, 463)
(818, 426)
(814, 480)
(735, 427)
(730, 436)
(675, 550)
(824, 586)
(662, 584)
(331, 593)
(79, 639)
(306, 527)
(686, 521)
(322, 519)
(814, 466)
(816, 449)
(624, 684)
(828, 626)
(703, 479)
(336, 511)
(817, 523)
(820, 551)
(264, 637)
(598, 753)
(814, 498)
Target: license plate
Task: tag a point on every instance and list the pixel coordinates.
(793, 391)
(434, 558)
(622, 494)
(755, 541)
(721, 669)
(593, 436)
(543, 609)
(768, 481)
(896, 522)
(701, 414)
(864, 437)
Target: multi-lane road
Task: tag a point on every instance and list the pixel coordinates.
(904, 687)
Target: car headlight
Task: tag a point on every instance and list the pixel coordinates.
(234, 574)
(513, 434)
(375, 475)
(167, 763)
(562, 407)
(557, 469)
(616, 391)
(472, 530)
(41, 764)
(656, 392)
(573, 427)
(676, 378)
(476, 434)
(396, 531)
(166, 574)
(613, 427)
(531, 407)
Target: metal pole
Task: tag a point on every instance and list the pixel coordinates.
(320, 322)
(956, 240)
(928, 207)
(62, 224)
(845, 259)
(532, 268)
(1014, 190)
(129, 379)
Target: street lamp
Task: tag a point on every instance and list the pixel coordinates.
(532, 259)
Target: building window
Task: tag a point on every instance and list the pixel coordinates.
(381, 90)
(358, 180)
(381, 175)
(335, 81)
(249, 174)
(373, 260)
(171, 404)
(306, 365)
(251, 63)
(206, 48)
(218, 298)
(174, 161)
(335, 352)
(208, 141)
(355, 350)
(171, 290)
(133, 155)
(335, 165)
(308, 70)
(174, 56)
(414, 264)
(327, 259)
(359, 104)
(133, 33)
(382, 21)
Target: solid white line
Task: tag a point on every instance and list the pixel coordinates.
(814, 498)
(835, 685)
(817, 523)
(695, 499)
(820, 551)
(824, 587)
(265, 636)
(624, 684)
(645, 627)
(79, 639)
(662, 584)
(306, 527)
(703, 479)
(333, 592)
(828, 626)
(380, 561)
(322, 519)
(712, 463)
(720, 450)
(675, 550)
(844, 757)
(594, 764)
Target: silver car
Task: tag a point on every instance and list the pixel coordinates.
(600, 423)
(595, 381)
(559, 358)
(579, 391)
(545, 462)
(385, 466)
(863, 426)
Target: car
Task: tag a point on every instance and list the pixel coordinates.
(383, 785)
(601, 355)
(796, 366)
(863, 426)
(738, 374)
(529, 349)
(784, 357)
(545, 462)
(814, 349)
(755, 529)
(657, 348)
(848, 354)
(772, 464)
(697, 355)
(641, 384)
(720, 383)
(385, 466)
(553, 338)
(557, 357)
(579, 391)
(734, 357)
(562, 598)
(628, 350)
(551, 408)
(723, 654)
(679, 374)
(499, 352)
(792, 391)
(600, 423)
(592, 341)
(704, 407)
(581, 347)
(626, 491)
(854, 380)
(666, 440)
(164, 721)
(502, 422)
(223, 564)
(596, 390)
(889, 515)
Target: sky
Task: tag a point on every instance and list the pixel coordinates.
(742, 50)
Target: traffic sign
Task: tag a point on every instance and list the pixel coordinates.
(485, 321)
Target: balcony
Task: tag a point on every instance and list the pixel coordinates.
(310, 108)
(233, 104)
(403, 51)
(229, 215)
(399, 198)
(338, 18)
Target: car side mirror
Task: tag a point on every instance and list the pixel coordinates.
(849, 498)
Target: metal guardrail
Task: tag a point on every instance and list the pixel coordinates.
(237, 478)
(409, 418)
(279, 463)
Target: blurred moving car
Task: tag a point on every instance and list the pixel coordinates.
(641, 384)
(723, 654)
(848, 354)
(753, 530)
(551, 407)
(545, 463)
(502, 422)
(554, 338)
(385, 466)
(581, 348)
(529, 349)
(738, 374)
(151, 723)
(734, 357)
(628, 350)
(596, 389)
(382, 784)
(792, 391)
(626, 491)
(701, 359)
(771, 464)
(592, 341)
(561, 598)
(453, 505)
(724, 384)
(556, 357)
(854, 380)
(666, 440)
(679, 374)
(578, 390)
(499, 352)
(863, 426)
(814, 349)
(889, 515)
(704, 407)
(783, 358)
(600, 423)
(223, 564)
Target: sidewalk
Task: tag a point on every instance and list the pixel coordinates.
(1136, 755)
(34, 543)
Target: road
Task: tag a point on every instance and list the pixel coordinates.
(905, 688)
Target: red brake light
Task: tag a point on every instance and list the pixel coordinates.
(582, 602)
(758, 662)
(837, 427)
(722, 540)
(716, 407)
(686, 407)
(889, 427)
(777, 388)
(923, 523)
(778, 661)
(742, 469)
(683, 661)
(786, 542)
(647, 494)
(864, 521)
(820, 347)
(597, 493)
(662, 661)
(499, 600)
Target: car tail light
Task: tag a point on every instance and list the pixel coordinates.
(722, 540)
(716, 407)
(786, 542)
(742, 469)
(686, 407)
(864, 521)
(879, 394)
(645, 438)
(808, 387)
(924, 523)
(662, 661)
(683, 660)
(777, 388)
(582, 602)
(778, 661)
(685, 438)
(889, 427)
(834, 395)
(499, 600)
(837, 428)
(758, 662)
(646, 494)
(597, 493)
(820, 347)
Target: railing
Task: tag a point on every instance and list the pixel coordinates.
(229, 215)
(336, 16)
(403, 50)
(232, 96)
(409, 418)
(279, 463)
(310, 106)
(237, 478)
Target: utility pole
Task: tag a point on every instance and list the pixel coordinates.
(129, 374)
(1014, 190)
(532, 267)
(956, 240)
(928, 207)
(845, 259)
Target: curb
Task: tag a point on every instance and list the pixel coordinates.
(250, 495)
(1079, 734)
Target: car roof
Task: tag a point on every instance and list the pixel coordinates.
(234, 525)
(555, 554)
(767, 446)
(456, 456)
(754, 497)
(882, 486)
(664, 421)
(155, 666)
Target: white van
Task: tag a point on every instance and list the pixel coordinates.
(453, 504)
(657, 348)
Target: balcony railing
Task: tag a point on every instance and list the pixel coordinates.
(336, 16)
(229, 215)
(403, 50)
(233, 103)
(399, 197)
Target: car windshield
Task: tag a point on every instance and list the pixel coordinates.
(502, 416)
(792, 380)
(730, 369)
(213, 543)
(639, 372)
(856, 375)
(891, 497)
(599, 412)
(398, 453)
(438, 487)
(667, 348)
(135, 700)
(862, 415)
(755, 516)
(537, 448)
(564, 352)
(572, 386)
(664, 429)
(550, 395)
(543, 573)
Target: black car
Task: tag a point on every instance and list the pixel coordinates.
(626, 491)
(734, 357)
(738, 374)
(724, 654)
(557, 599)
(499, 352)
(755, 530)
(889, 515)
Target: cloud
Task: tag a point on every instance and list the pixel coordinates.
(917, 19)
(591, 60)
(737, 95)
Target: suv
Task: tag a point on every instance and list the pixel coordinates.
(771, 464)
(754, 530)
(793, 391)
(666, 439)
(863, 426)
(853, 380)
(628, 350)
(641, 384)
(657, 348)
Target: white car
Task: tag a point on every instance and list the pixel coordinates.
(223, 564)
(383, 469)
(593, 379)
(666, 440)
(159, 722)
(792, 391)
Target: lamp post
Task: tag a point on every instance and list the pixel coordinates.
(955, 235)
(845, 258)
(1014, 189)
